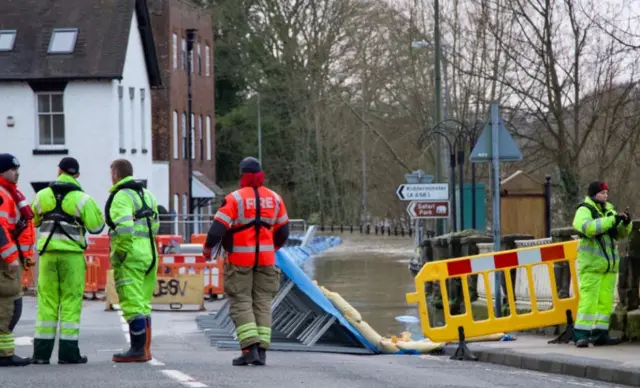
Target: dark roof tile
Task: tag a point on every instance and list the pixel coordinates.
(101, 45)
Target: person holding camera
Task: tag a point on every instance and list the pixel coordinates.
(599, 226)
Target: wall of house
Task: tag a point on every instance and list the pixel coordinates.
(94, 121)
(167, 18)
(89, 120)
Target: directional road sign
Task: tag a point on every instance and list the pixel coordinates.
(423, 191)
(508, 150)
(428, 209)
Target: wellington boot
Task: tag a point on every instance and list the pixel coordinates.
(69, 353)
(262, 353)
(249, 355)
(14, 361)
(147, 345)
(138, 335)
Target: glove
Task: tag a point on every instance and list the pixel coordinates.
(620, 217)
(206, 252)
(29, 262)
(628, 220)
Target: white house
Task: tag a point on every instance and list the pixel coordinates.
(75, 80)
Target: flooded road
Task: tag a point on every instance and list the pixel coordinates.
(372, 274)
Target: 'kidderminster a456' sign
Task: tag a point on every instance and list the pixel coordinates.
(423, 191)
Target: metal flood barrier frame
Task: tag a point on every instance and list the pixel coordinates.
(458, 327)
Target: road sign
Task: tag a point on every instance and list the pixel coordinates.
(423, 191)
(508, 150)
(428, 209)
(418, 177)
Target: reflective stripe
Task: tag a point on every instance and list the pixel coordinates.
(80, 205)
(223, 217)
(46, 324)
(123, 219)
(11, 220)
(6, 253)
(123, 282)
(17, 209)
(25, 248)
(282, 219)
(69, 337)
(69, 325)
(245, 249)
(120, 229)
(70, 229)
(240, 205)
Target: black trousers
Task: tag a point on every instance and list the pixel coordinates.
(17, 313)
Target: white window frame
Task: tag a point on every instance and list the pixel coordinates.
(72, 43)
(207, 60)
(193, 136)
(121, 144)
(50, 113)
(175, 50)
(184, 54)
(176, 138)
(208, 131)
(132, 116)
(176, 210)
(184, 135)
(12, 34)
(199, 60)
(143, 120)
(200, 137)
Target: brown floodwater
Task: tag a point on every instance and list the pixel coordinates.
(372, 274)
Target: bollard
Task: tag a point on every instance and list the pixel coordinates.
(341, 228)
(395, 230)
(388, 231)
(410, 232)
(402, 231)
(331, 227)
(368, 229)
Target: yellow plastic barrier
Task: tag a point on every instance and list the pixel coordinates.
(458, 327)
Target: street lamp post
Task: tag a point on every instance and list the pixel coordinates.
(191, 35)
(259, 131)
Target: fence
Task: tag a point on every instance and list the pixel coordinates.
(461, 324)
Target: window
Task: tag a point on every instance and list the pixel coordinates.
(143, 121)
(185, 204)
(50, 120)
(193, 136)
(184, 55)
(175, 139)
(121, 118)
(7, 40)
(132, 96)
(207, 61)
(184, 135)
(208, 129)
(176, 210)
(63, 40)
(199, 60)
(200, 139)
(175, 50)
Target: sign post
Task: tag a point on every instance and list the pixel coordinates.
(496, 145)
(415, 178)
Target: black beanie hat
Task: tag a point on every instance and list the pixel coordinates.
(69, 165)
(250, 164)
(7, 162)
(595, 187)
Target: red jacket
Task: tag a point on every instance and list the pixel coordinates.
(9, 217)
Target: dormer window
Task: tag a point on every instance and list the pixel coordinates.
(63, 40)
(7, 40)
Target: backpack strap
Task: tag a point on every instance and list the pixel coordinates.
(58, 215)
(612, 233)
(145, 212)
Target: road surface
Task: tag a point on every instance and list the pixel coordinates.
(184, 358)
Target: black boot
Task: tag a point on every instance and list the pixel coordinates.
(138, 335)
(42, 349)
(14, 361)
(262, 352)
(582, 343)
(249, 356)
(69, 353)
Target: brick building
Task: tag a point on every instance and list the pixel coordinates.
(169, 20)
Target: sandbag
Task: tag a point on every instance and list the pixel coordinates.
(423, 346)
(341, 304)
(486, 338)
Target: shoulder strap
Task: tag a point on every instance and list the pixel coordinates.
(592, 209)
(60, 191)
(132, 185)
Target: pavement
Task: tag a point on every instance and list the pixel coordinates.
(184, 358)
(613, 364)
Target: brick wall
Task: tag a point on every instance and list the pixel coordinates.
(169, 17)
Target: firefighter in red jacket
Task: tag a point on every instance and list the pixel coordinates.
(17, 239)
(251, 224)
